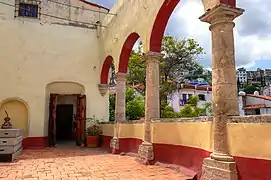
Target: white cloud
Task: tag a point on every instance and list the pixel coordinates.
(251, 41)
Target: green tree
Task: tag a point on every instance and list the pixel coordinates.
(180, 55)
(250, 89)
(191, 109)
(112, 104)
(135, 106)
(137, 70)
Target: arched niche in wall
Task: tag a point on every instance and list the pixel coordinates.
(18, 112)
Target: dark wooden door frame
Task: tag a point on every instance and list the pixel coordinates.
(80, 118)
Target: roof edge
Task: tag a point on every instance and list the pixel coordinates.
(95, 5)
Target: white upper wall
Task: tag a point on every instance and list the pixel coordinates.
(34, 53)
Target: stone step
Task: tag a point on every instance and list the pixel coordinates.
(11, 133)
(10, 141)
(10, 157)
(10, 149)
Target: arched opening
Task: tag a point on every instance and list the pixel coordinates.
(163, 16)
(126, 51)
(17, 110)
(65, 112)
(105, 69)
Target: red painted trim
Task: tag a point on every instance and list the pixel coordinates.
(105, 69)
(162, 18)
(105, 142)
(229, 2)
(253, 169)
(126, 51)
(35, 142)
(188, 157)
(160, 24)
(130, 144)
(95, 5)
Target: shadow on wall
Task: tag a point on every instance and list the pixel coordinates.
(17, 110)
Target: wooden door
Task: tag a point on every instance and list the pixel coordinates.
(52, 120)
(81, 119)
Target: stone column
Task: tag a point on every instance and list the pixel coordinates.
(152, 104)
(119, 111)
(224, 94)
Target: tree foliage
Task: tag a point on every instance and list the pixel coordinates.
(191, 109)
(250, 89)
(135, 107)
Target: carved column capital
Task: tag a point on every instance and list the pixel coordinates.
(221, 14)
(153, 57)
(121, 76)
(103, 88)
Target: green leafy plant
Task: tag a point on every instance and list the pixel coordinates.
(168, 112)
(191, 109)
(94, 130)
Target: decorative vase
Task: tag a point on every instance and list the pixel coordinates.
(92, 141)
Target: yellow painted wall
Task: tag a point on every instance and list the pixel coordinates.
(251, 140)
(17, 112)
(183, 133)
(35, 53)
(131, 131)
(108, 129)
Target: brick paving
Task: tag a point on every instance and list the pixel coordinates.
(65, 163)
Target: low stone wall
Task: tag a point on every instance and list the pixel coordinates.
(187, 141)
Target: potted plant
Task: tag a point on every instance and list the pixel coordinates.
(93, 133)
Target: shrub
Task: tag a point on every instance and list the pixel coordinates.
(135, 108)
(168, 112)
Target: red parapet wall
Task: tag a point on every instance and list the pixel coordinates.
(253, 169)
(188, 157)
(192, 158)
(130, 145)
(35, 142)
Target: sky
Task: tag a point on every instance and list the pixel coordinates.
(252, 32)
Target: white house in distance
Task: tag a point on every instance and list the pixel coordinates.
(241, 75)
(254, 104)
(181, 97)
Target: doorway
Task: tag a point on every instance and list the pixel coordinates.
(67, 119)
(64, 122)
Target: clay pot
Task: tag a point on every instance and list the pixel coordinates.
(92, 141)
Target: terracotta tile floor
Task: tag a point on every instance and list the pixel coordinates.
(81, 163)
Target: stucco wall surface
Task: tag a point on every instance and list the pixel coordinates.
(34, 54)
(246, 139)
(133, 16)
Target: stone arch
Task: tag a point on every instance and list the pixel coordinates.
(65, 87)
(164, 14)
(126, 51)
(18, 111)
(105, 70)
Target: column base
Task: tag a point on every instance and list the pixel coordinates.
(218, 170)
(115, 145)
(145, 153)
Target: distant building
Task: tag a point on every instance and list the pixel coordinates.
(242, 75)
(254, 104)
(181, 97)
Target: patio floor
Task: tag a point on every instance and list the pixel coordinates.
(76, 163)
